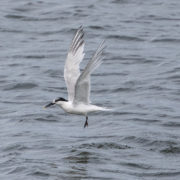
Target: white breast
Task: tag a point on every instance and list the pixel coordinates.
(80, 109)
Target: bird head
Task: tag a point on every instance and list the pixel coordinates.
(59, 101)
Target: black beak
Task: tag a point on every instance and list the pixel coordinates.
(48, 105)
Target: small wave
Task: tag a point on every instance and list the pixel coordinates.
(154, 144)
(14, 65)
(52, 73)
(2, 81)
(40, 173)
(80, 157)
(127, 38)
(156, 87)
(22, 9)
(166, 40)
(174, 70)
(11, 30)
(172, 124)
(174, 77)
(110, 74)
(13, 16)
(45, 120)
(100, 91)
(20, 86)
(17, 170)
(171, 150)
(41, 19)
(160, 143)
(80, 14)
(129, 113)
(91, 6)
(26, 18)
(104, 146)
(96, 27)
(120, 1)
(139, 165)
(123, 90)
(148, 121)
(37, 56)
(158, 174)
(157, 18)
(136, 139)
(135, 60)
(15, 147)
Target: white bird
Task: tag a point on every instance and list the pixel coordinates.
(78, 84)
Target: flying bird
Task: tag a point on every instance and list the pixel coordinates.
(78, 84)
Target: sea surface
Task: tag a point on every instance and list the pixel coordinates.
(139, 80)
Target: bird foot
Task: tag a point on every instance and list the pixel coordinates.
(86, 123)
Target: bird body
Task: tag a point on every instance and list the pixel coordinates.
(78, 83)
(80, 109)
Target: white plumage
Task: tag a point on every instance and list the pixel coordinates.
(78, 84)
(74, 57)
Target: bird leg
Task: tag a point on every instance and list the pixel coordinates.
(86, 122)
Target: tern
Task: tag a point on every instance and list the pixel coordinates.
(78, 84)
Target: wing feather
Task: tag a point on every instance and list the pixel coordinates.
(74, 57)
(82, 87)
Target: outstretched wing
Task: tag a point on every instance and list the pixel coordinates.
(74, 57)
(82, 87)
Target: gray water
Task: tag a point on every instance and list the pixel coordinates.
(139, 79)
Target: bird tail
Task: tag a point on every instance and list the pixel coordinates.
(106, 109)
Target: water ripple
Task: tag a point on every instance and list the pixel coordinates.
(139, 79)
(20, 86)
(123, 37)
